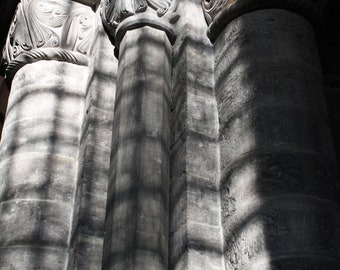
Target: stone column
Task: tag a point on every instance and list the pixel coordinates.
(195, 234)
(46, 58)
(278, 170)
(137, 207)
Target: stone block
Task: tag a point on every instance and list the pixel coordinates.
(94, 164)
(275, 126)
(51, 74)
(35, 222)
(45, 103)
(38, 176)
(203, 201)
(202, 156)
(243, 87)
(293, 42)
(97, 133)
(305, 262)
(32, 257)
(101, 92)
(42, 135)
(280, 227)
(92, 214)
(202, 115)
(89, 253)
(263, 175)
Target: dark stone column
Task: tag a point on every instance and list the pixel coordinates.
(330, 51)
(137, 209)
(278, 170)
(136, 229)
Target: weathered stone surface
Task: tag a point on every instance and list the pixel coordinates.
(89, 253)
(94, 157)
(32, 257)
(39, 163)
(195, 220)
(259, 128)
(137, 205)
(37, 176)
(278, 173)
(219, 13)
(284, 226)
(296, 263)
(34, 222)
(278, 167)
(41, 135)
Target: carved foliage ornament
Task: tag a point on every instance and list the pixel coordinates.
(115, 11)
(55, 24)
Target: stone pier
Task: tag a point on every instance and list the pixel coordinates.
(138, 193)
(278, 168)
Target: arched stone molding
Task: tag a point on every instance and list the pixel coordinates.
(49, 30)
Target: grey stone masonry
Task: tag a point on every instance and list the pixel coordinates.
(170, 135)
(136, 229)
(94, 156)
(278, 169)
(195, 213)
(38, 165)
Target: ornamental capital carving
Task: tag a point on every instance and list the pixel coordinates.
(120, 16)
(219, 13)
(49, 30)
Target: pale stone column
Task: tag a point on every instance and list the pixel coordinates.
(94, 155)
(195, 234)
(278, 170)
(138, 194)
(46, 58)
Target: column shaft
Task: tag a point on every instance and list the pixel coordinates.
(38, 166)
(278, 167)
(137, 208)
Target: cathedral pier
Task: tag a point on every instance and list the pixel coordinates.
(278, 168)
(46, 56)
(136, 228)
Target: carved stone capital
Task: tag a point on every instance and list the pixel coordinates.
(120, 16)
(49, 30)
(219, 13)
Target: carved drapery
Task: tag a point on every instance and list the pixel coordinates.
(219, 13)
(122, 15)
(49, 30)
